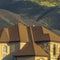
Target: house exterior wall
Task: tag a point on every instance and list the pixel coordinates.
(57, 51)
(4, 54)
(32, 58)
(11, 48)
(41, 58)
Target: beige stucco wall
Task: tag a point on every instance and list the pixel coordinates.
(41, 58)
(54, 57)
(1, 52)
(32, 58)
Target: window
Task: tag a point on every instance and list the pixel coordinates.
(4, 48)
(54, 49)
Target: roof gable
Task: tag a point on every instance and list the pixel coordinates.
(16, 33)
(52, 35)
(38, 34)
(31, 48)
(4, 35)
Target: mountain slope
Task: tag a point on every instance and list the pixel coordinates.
(52, 20)
(8, 19)
(28, 12)
(27, 8)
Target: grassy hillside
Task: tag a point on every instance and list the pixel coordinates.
(30, 13)
(7, 18)
(48, 3)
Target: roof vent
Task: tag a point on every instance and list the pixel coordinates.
(33, 25)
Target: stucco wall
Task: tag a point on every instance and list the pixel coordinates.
(41, 58)
(1, 52)
(52, 56)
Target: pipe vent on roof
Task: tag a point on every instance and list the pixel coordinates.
(33, 25)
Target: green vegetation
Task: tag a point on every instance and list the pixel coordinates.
(48, 3)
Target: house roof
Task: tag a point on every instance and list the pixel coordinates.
(41, 33)
(53, 37)
(31, 50)
(19, 32)
(4, 36)
(38, 34)
(15, 33)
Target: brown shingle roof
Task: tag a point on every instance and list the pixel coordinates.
(31, 50)
(53, 37)
(19, 32)
(15, 33)
(23, 34)
(27, 50)
(38, 34)
(4, 36)
(41, 33)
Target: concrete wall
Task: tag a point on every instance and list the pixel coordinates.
(16, 46)
(23, 34)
